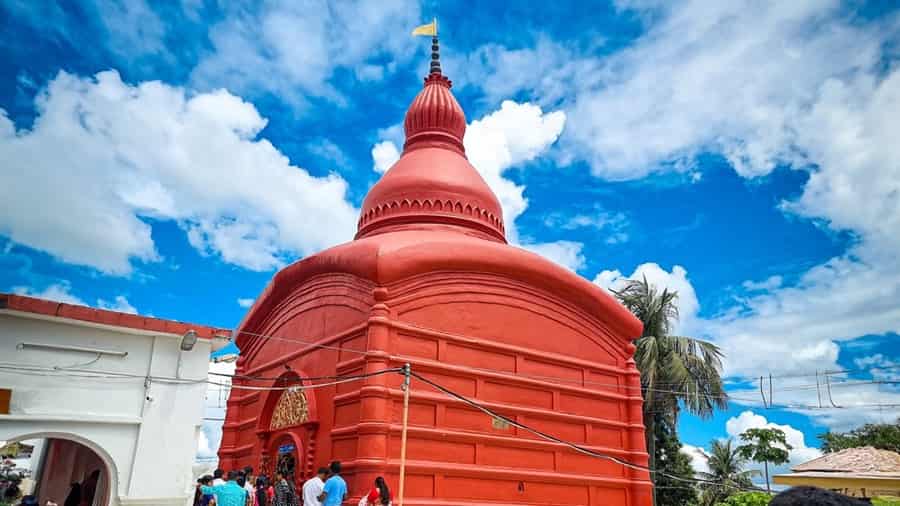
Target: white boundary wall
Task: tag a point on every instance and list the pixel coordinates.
(148, 444)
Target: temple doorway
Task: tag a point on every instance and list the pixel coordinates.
(59, 466)
(287, 458)
(287, 430)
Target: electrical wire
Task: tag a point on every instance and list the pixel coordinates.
(574, 446)
(50, 372)
(348, 379)
(429, 329)
(314, 344)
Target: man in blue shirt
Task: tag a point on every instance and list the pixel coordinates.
(229, 494)
(335, 488)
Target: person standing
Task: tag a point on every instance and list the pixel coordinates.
(262, 489)
(217, 477)
(335, 490)
(380, 494)
(201, 499)
(313, 487)
(229, 494)
(249, 486)
(284, 491)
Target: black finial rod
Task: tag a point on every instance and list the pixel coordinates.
(435, 57)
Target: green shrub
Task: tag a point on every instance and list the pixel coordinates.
(747, 499)
(886, 501)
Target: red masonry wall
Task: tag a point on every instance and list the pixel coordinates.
(430, 281)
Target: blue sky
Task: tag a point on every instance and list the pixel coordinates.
(169, 159)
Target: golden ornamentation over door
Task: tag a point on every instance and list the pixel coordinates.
(291, 409)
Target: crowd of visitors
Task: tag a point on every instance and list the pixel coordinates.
(242, 488)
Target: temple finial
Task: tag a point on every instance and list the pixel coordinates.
(432, 29)
(435, 56)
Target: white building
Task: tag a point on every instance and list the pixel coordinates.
(108, 392)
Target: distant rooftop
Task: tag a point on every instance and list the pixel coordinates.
(866, 460)
(25, 304)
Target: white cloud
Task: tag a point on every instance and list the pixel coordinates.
(677, 280)
(57, 292)
(120, 304)
(699, 457)
(103, 156)
(615, 225)
(735, 78)
(514, 134)
(385, 154)
(799, 453)
(770, 283)
(245, 303)
(133, 27)
(565, 253)
(797, 328)
(791, 330)
(881, 367)
(62, 292)
(330, 151)
(799, 83)
(858, 401)
(545, 70)
(292, 49)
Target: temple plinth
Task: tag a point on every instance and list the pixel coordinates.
(429, 280)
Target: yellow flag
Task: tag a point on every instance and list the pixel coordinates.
(430, 29)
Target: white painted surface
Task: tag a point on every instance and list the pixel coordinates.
(148, 444)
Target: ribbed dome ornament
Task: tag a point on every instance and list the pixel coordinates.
(435, 117)
(433, 185)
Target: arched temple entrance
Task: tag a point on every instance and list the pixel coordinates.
(287, 430)
(62, 459)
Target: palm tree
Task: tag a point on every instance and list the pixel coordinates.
(675, 370)
(726, 471)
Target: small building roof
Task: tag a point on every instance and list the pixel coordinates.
(34, 305)
(865, 460)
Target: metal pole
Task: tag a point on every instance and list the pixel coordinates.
(405, 387)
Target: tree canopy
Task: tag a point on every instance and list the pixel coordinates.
(884, 436)
(726, 475)
(766, 445)
(674, 485)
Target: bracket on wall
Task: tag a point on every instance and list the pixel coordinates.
(80, 349)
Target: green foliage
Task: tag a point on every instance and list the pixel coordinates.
(726, 470)
(886, 501)
(765, 445)
(747, 499)
(674, 369)
(672, 461)
(884, 436)
(761, 446)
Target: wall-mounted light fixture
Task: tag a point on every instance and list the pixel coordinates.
(188, 340)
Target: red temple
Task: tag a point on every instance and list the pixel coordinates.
(429, 280)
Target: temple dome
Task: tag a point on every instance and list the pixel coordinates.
(433, 185)
(435, 116)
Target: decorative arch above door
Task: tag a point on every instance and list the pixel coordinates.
(291, 409)
(288, 419)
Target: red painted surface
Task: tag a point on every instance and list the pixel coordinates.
(45, 307)
(430, 280)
